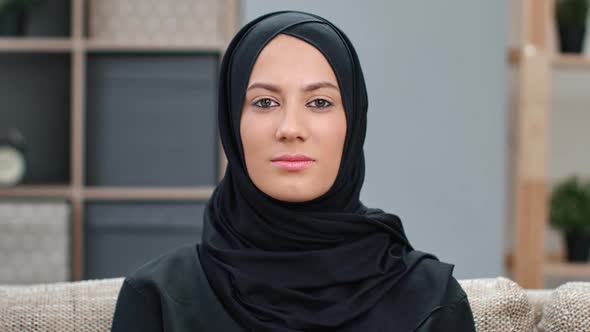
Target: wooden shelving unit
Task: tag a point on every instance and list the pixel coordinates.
(557, 60)
(36, 44)
(102, 46)
(572, 61)
(78, 47)
(566, 270)
(535, 60)
(36, 191)
(195, 193)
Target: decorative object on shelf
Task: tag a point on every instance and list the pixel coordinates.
(13, 161)
(13, 16)
(571, 16)
(179, 22)
(570, 212)
(34, 241)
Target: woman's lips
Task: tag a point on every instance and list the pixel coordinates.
(293, 162)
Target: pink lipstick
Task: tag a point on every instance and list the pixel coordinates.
(293, 162)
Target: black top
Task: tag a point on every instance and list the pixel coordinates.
(171, 293)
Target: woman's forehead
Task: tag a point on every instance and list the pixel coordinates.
(286, 59)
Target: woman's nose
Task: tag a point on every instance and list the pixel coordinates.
(291, 125)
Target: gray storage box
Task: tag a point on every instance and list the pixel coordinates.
(121, 236)
(151, 120)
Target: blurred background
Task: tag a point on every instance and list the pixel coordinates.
(477, 135)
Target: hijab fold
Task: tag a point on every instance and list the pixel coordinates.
(328, 264)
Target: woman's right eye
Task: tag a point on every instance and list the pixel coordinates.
(265, 103)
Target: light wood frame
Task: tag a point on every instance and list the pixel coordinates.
(529, 194)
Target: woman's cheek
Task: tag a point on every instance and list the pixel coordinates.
(337, 138)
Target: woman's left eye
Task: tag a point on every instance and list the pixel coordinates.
(320, 103)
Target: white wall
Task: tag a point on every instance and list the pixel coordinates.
(436, 141)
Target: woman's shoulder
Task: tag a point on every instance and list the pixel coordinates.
(172, 273)
(453, 314)
(431, 268)
(454, 293)
(173, 288)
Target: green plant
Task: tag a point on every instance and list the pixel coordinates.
(572, 12)
(570, 205)
(7, 5)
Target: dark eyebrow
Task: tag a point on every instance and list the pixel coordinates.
(267, 86)
(319, 85)
(307, 88)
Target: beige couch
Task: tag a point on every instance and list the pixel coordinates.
(498, 304)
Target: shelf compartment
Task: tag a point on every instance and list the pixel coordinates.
(41, 19)
(49, 19)
(151, 120)
(36, 100)
(161, 194)
(119, 237)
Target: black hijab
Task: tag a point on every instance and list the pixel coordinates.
(329, 264)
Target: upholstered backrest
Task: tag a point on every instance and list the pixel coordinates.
(568, 308)
(83, 306)
(499, 304)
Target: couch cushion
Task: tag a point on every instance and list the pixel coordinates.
(499, 304)
(568, 308)
(81, 306)
(538, 297)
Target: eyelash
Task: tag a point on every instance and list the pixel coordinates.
(256, 103)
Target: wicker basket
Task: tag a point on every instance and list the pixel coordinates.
(34, 242)
(178, 22)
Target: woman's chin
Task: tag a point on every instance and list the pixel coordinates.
(291, 190)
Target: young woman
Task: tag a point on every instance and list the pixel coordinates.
(287, 244)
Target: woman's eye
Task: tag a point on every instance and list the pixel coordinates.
(265, 103)
(320, 103)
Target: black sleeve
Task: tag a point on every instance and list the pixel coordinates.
(136, 310)
(453, 317)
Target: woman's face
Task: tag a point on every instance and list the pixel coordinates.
(293, 123)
